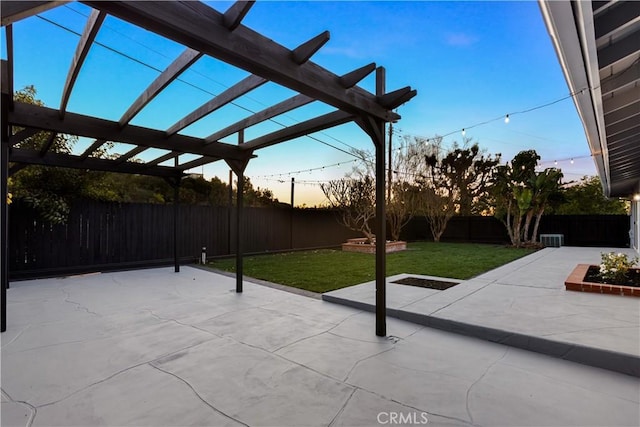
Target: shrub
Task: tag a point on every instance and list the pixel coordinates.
(615, 266)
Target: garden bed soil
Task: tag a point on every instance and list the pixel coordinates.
(439, 285)
(583, 279)
(593, 275)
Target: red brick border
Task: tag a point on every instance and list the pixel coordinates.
(575, 282)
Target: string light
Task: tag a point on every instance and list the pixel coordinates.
(308, 170)
(506, 117)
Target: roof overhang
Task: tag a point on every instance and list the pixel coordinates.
(598, 50)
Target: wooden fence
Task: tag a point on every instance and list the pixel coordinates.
(105, 236)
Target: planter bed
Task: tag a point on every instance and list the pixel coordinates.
(584, 279)
(361, 245)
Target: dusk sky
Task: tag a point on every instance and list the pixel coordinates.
(470, 62)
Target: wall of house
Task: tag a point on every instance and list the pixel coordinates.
(634, 233)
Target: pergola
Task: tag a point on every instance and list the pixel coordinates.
(202, 31)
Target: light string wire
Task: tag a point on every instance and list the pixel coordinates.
(350, 153)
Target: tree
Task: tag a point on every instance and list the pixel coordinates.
(520, 194)
(546, 190)
(587, 198)
(355, 200)
(450, 181)
(400, 207)
(46, 190)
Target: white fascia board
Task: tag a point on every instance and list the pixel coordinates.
(565, 35)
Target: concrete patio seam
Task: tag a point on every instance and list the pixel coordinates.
(33, 411)
(328, 331)
(178, 377)
(355, 365)
(115, 374)
(342, 408)
(506, 351)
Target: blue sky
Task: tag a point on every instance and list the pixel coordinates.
(469, 61)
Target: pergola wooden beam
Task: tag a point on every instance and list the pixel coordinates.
(317, 124)
(162, 158)
(22, 135)
(48, 143)
(131, 153)
(197, 162)
(93, 147)
(7, 68)
(86, 40)
(397, 97)
(14, 11)
(305, 51)
(236, 13)
(354, 77)
(202, 28)
(26, 156)
(226, 97)
(266, 114)
(177, 67)
(34, 116)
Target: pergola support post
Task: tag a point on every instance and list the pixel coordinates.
(381, 239)
(239, 207)
(176, 213)
(374, 127)
(238, 168)
(175, 183)
(4, 214)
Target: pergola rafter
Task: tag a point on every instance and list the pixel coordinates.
(266, 114)
(202, 31)
(86, 40)
(173, 71)
(228, 96)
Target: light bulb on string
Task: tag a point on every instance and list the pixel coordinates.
(506, 119)
(571, 161)
(464, 132)
(555, 162)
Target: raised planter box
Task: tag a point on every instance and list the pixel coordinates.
(575, 282)
(361, 245)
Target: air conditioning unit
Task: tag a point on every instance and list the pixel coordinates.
(552, 240)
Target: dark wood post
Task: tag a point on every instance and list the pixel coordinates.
(4, 222)
(381, 217)
(239, 206)
(293, 184)
(238, 167)
(176, 214)
(381, 239)
(229, 211)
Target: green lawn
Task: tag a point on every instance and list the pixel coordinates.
(325, 270)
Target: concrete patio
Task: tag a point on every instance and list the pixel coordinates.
(156, 348)
(524, 304)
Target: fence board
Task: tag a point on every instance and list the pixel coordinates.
(103, 236)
